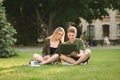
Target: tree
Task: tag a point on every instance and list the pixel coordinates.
(49, 14)
(6, 35)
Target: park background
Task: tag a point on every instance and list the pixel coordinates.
(24, 24)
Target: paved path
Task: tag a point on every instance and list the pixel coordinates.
(29, 49)
(40, 48)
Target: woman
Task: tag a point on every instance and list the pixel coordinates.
(50, 49)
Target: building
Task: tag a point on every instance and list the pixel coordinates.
(109, 26)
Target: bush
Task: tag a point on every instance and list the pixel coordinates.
(6, 35)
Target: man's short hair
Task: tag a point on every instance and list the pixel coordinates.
(72, 30)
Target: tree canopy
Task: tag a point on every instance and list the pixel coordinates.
(43, 16)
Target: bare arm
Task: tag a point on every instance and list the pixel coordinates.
(81, 52)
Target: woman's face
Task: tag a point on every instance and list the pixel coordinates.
(59, 35)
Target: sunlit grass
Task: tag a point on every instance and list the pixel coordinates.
(103, 65)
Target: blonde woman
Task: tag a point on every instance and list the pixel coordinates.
(50, 49)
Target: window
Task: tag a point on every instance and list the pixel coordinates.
(118, 29)
(90, 31)
(106, 30)
(118, 12)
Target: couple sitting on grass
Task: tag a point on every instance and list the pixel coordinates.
(50, 53)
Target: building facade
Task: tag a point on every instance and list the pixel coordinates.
(109, 26)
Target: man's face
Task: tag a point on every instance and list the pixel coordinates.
(71, 36)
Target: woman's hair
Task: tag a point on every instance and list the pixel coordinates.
(72, 29)
(56, 31)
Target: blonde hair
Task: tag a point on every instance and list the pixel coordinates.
(57, 30)
(72, 29)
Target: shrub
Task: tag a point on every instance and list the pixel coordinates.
(6, 35)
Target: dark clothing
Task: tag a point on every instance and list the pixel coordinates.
(46, 49)
(52, 50)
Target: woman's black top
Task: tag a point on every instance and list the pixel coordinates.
(52, 50)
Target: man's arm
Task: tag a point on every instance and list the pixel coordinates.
(81, 52)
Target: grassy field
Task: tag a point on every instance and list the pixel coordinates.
(103, 65)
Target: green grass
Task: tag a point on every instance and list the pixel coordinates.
(104, 64)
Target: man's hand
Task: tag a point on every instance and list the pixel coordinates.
(74, 54)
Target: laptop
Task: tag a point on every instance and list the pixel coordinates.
(67, 48)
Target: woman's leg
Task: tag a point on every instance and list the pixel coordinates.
(38, 57)
(51, 59)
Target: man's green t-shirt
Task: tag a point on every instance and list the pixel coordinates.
(79, 43)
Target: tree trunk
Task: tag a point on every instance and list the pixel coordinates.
(51, 26)
(41, 23)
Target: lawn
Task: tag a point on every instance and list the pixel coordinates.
(103, 65)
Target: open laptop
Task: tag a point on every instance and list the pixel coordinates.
(67, 48)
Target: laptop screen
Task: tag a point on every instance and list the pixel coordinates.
(67, 48)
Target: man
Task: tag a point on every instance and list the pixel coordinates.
(82, 55)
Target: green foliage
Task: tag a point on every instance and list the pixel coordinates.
(25, 20)
(6, 35)
(52, 13)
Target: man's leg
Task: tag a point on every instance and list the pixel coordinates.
(67, 59)
(84, 57)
